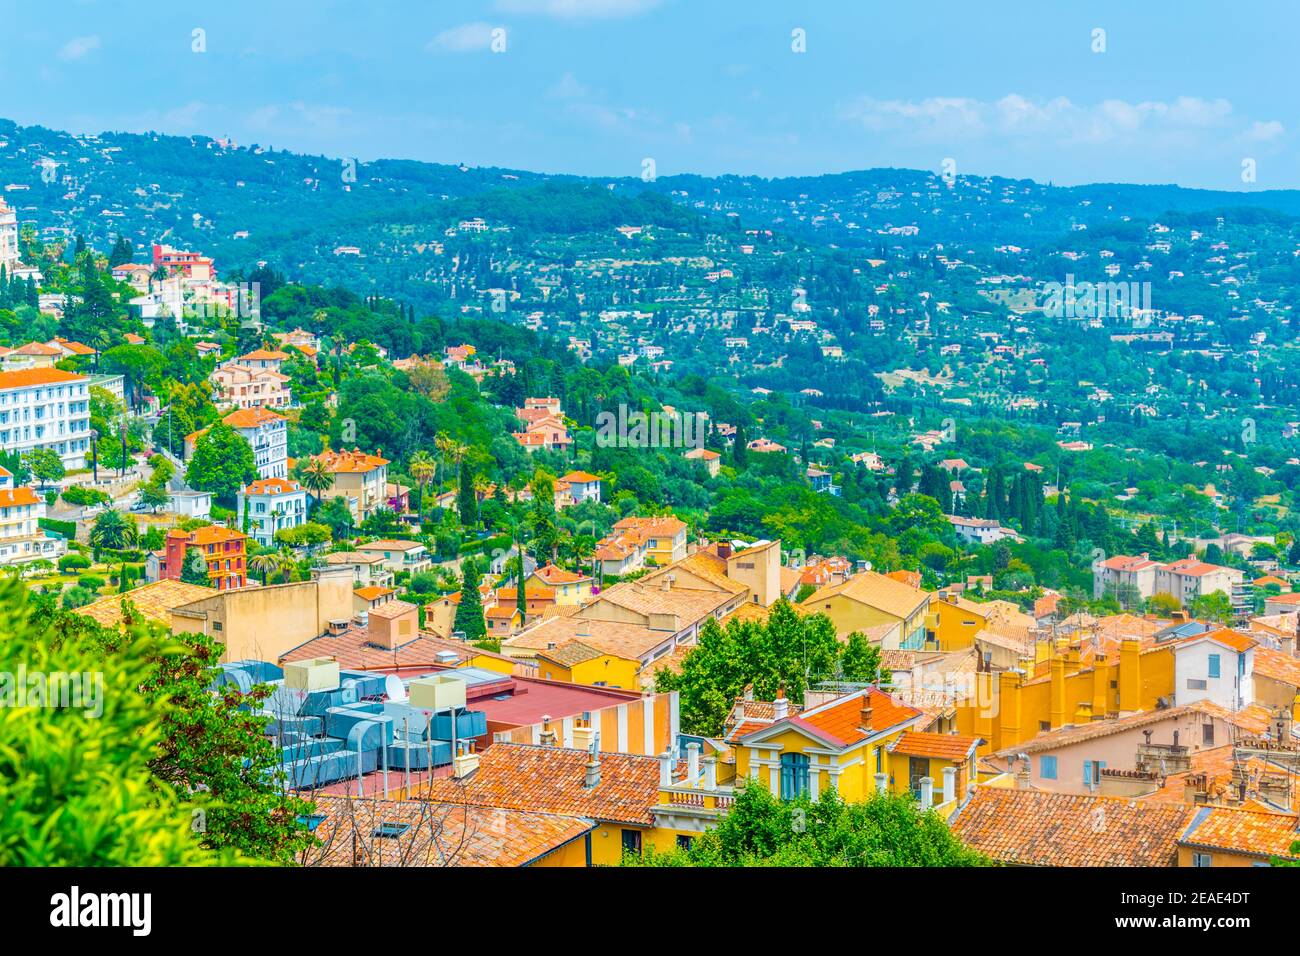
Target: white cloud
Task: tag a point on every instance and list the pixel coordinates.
(466, 38)
(78, 47)
(1059, 121)
(568, 87)
(1264, 132)
(579, 9)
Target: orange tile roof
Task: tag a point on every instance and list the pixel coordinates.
(1250, 832)
(439, 834)
(911, 743)
(350, 462)
(551, 780)
(553, 575)
(580, 477)
(371, 592)
(214, 534)
(36, 348)
(568, 655)
(27, 377)
(75, 347)
(265, 355)
(1035, 828)
(272, 486)
(1277, 666)
(251, 418)
(19, 496)
(839, 721)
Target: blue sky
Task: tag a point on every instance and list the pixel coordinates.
(1183, 92)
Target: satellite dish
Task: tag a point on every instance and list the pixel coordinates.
(394, 689)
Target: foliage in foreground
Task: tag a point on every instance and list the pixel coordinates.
(760, 830)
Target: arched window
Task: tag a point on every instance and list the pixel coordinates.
(794, 775)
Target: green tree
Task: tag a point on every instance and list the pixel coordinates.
(45, 465)
(885, 830)
(112, 530)
(469, 612)
(223, 462)
(467, 497)
(57, 806)
(860, 661)
(195, 568)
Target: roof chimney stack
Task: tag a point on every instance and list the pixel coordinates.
(592, 777)
(724, 549)
(780, 706)
(865, 713)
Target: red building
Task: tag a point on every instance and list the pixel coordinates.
(191, 265)
(223, 548)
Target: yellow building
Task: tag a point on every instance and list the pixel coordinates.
(578, 663)
(569, 588)
(868, 600)
(1009, 707)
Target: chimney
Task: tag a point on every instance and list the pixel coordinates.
(668, 581)
(882, 782)
(927, 793)
(1282, 725)
(865, 713)
(710, 772)
(1022, 774)
(724, 549)
(547, 735)
(1288, 645)
(949, 784)
(337, 627)
(592, 776)
(749, 692)
(780, 706)
(466, 761)
(666, 769)
(693, 763)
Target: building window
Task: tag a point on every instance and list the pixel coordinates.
(632, 841)
(1047, 768)
(1194, 684)
(794, 775)
(684, 842)
(1207, 734)
(1214, 665)
(1202, 859)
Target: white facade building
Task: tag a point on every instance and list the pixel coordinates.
(8, 238)
(46, 408)
(271, 505)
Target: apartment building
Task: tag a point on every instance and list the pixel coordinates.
(21, 537)
(359, 477)
(46, 408)
(271, 505)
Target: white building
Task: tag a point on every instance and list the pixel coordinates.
(271, 505)
(1218, 666)
(46, 408)
(8, 238)
(980, 530)
(21, 537)
(265, 431)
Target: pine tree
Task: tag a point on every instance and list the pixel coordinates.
(469, 612)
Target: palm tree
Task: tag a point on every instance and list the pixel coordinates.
(442, 441)
(316, 476)
(112, 530)
(422, 468)
(286, 563)
(264, 564)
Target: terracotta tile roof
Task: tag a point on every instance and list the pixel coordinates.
(251, 418)
(372, 592)
(568, 655)
(154, 601)
(874, 590)
(265, 355)
(1277, 666)
(76, 348)
(439, 834)
(553, 575)
(354, 651)
(389, 544)
(631, 641)
(27, 377)
(36, 348)
(1252, 832)
(19, 496)
(215, 534)
(1070, 735)
(661, 526)
(580, 477)
(350, 462)
(842, 719)
(940, 746)
(1035, 828)
(551, 780)
(272, 486)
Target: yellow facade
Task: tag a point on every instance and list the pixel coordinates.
(607, 670)
(1010, 707)
(954, 623)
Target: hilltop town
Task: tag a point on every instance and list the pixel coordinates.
(559, 557)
